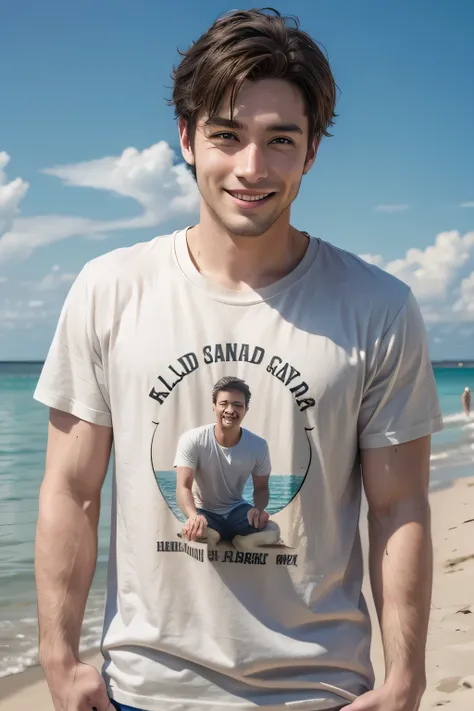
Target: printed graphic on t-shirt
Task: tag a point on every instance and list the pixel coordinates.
(232, 423)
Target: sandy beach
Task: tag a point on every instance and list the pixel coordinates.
(450, 646)
(450, 649)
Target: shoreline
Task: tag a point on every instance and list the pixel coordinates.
(450, 647)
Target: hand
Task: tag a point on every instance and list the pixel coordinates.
(194, 527)
(78, 688)
(388, 697)
(257, 518)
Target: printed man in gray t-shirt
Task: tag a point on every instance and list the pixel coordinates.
(213, 464)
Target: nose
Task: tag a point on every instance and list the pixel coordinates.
(251, 165)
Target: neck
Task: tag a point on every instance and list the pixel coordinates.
(242, 263)
(226, 438)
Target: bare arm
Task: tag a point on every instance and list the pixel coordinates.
(396, 482)
(261, 493)
(184, 493)
(66, 539)
(257, 516)
(195, 525)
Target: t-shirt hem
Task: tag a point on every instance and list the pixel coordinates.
(328, 702)
(66, 404)
(386, 439)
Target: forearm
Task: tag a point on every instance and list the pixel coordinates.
(260, 498)
(65, 560)
(185, 499)
(400, 560)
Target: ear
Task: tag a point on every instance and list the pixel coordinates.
(311, 155)
(185, 141)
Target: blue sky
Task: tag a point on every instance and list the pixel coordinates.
(87, 142)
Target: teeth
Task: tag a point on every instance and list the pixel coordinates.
(250, 198)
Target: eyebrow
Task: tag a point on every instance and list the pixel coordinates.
(274, 127)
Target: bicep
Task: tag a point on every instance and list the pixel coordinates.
(398, 473)
(77, 456)
(185, 477)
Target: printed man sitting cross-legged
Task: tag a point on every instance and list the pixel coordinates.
(213, 463)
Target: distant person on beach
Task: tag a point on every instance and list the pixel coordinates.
(213, 464)
(339, 350)
(466, 401)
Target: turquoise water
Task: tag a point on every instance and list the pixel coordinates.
(23, 428)
(283, 488)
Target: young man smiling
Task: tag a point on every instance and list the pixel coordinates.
(213, 464)
(353, 401)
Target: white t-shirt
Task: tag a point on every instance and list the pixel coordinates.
(336, 359)
(221, 472)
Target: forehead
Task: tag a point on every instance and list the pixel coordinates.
(266, 101)
(230, 396)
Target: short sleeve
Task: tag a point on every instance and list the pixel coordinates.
(400, 402)
(186, 451)
(72, 378)
(263, 465)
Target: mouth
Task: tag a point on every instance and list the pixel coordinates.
(250, 200)
(228, 420)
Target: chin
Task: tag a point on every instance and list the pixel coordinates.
(248, 229)
(242, 226)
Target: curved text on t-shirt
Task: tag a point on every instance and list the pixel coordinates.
(233, 352)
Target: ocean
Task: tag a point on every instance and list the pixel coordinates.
(23, 428)
(283, 488)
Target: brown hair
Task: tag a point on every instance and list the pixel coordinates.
(229, 382)
(251, 44)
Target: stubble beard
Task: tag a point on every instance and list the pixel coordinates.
(249, 229)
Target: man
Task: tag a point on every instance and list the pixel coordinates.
(466, 401)
(217, 460)
(338, 360)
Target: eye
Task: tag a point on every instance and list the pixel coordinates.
(225, 135)
(283, 141)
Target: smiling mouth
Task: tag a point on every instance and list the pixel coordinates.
(248, 197)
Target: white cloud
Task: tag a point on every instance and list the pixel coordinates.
(55, 278)
(376, 259)
(467, 204)
(11, 195)
(150, 177)
(3, 279)
(435, 276)
(431, 272)
(19, 315)
(464, 306)
(391, 208)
